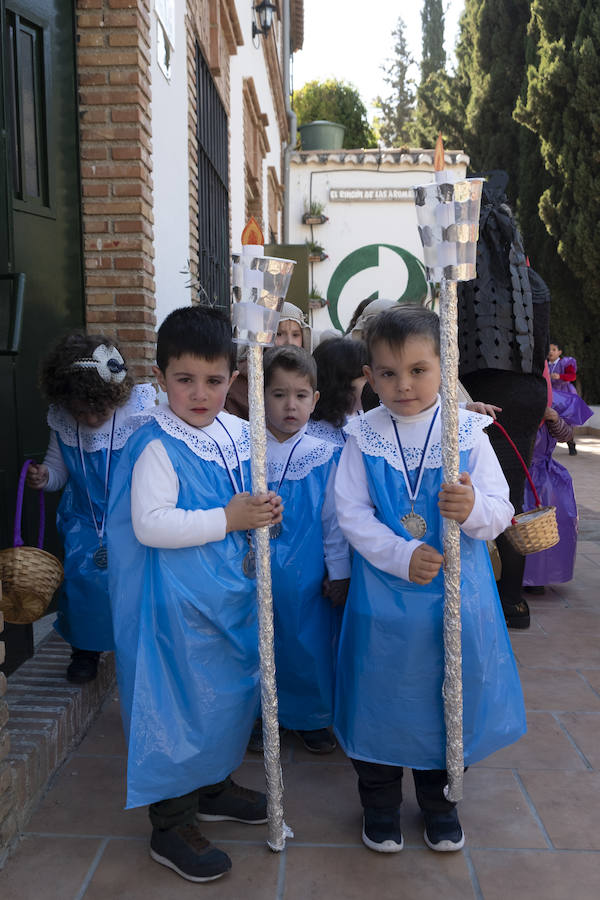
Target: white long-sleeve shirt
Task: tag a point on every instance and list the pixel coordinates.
(335, 545)
(383, 548)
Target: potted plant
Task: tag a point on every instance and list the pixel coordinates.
(313, 213)
(316, 300)
(316, 253)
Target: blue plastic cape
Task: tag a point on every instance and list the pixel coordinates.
(388, 705)
(306, 625)
(84, 618)
(186, 636)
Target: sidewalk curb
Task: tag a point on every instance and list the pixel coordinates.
(48, 717)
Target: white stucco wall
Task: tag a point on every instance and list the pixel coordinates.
(249, 61)
(170, 171)
(355, 225)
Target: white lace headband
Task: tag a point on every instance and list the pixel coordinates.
(108, 363)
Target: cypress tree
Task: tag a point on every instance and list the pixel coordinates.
(495, 69)
(397, 107)
(561, 110)
(432, 30)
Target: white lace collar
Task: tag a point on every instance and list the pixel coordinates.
(201, 441)
(374, 434)
(127, 419)
(309, 453)
(325, 431)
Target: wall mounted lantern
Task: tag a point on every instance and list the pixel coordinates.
(263, 13)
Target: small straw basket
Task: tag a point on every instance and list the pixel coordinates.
(536, 529)
(29, 575)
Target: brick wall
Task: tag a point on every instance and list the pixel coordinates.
(113, 71)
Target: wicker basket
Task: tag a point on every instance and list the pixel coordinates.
(537, 528)
(29, 575)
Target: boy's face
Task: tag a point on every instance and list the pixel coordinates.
(405, 378)
(288, 332)
(289, 401)
(196, 387)
(554, 353)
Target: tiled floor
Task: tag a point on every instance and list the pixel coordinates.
(531, 812)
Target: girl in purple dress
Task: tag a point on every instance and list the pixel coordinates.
(563, 372)
(555, 487)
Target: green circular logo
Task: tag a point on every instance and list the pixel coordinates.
(368, 258)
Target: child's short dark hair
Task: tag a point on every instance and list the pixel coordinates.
(76, 388)
(290, 359)
(198, 330)
(396, 326)
(339, 362)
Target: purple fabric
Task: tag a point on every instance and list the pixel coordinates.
(555, 487)
(558, 366)
(17, 538)
(569, 405)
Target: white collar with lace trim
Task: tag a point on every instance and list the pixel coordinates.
(325, 431)
(309, 453)
(201, 441)
(374, 434)
(127, 419)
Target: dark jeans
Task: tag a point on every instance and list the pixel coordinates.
(380, 787)
(523, 400)
(180, 810)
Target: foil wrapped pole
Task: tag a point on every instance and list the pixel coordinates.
(260, 284)
(452, 687)
(268, 689)
(448, 218)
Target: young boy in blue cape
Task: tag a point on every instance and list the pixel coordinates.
(391, 503)
(306, 548)
(183, 596)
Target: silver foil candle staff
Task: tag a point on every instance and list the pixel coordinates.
(260, 284)
(448, 217)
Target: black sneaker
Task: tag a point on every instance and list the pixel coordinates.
(255, 744)
(517, 614)
(381, 830)
(319, 741)
(233, 804)
(443, 832)
(536, 590)
(83, 666)
(572, 450)
(185, 850)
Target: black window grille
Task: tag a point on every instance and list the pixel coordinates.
(213, 190)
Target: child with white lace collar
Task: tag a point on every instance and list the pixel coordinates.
(92, 401)
(309, 556)
(183, 593)
(391, 502)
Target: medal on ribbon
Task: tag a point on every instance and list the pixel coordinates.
(100, 555)
(412, 521)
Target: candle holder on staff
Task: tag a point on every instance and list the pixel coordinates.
(259, 287)
(448, 217)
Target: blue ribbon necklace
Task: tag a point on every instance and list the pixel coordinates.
(412, 521)
(249, 560)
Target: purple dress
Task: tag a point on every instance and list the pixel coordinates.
(555, 488)
(574, 410)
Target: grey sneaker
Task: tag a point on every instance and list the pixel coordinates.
(185, 850)
(233, 804)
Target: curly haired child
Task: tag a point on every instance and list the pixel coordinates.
(92, 397)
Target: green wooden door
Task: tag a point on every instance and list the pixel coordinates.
(40, 236)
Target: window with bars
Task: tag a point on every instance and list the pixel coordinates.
(213, 190)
